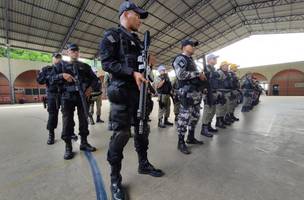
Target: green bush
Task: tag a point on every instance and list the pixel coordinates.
(23, 54)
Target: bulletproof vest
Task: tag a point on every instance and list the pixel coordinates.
(130, 48)
(225, 82)
(50, 87)
(166, 88)
(190, 66)
(208, 71)
(83, 76)
(248, 84)
(212, 76)
(234, 81)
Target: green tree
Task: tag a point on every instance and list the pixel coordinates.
(23, 54)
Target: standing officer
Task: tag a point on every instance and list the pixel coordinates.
(106, 82)
(163, 88)
(248, 90)
(53, 97)
(224, 87)
(191, 85)
(175, 98)
(119, 51)
(211, 98)
(96, 98)
(65, 74)
(235, 84)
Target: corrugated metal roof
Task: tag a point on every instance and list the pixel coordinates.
(47, 25)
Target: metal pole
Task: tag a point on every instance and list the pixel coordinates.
(11, 84)
(95, 63)
(204, 61)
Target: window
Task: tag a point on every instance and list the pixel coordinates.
(35, 91)
(42, 91)
(28, 92)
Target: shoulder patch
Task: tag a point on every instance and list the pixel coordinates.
(111, 38)
(180, 61)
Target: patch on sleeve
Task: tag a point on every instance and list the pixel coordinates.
(180, 61)
(111, 38)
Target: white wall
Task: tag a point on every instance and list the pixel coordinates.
(271, 70)
(19, 66)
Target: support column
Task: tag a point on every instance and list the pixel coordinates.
(11, 84)
(204, 61)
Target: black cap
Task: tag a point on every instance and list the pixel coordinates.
(56, 55)
(128, 5)
(189, 42)
(73, 46)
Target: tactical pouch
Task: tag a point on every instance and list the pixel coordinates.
(232, 96)
(247, 93)
(119, 116)
(117, 92)
(185, 97)
(221, 99)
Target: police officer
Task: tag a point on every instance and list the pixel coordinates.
(211, 98)
(224, 87)
(96, 98)
(106, 82)
(191, 83)
(119, 51)
(248, 90)
(164, 89)
(235, 86)
(151, 91)
(65, 74)
(53, 98)
(176, 101)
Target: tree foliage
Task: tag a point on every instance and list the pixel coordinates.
(23, 54)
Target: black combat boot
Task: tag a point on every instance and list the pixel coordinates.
(85, 146)
(205, 131)
(228, 119)
(234, 117)
(211, 129)
(176, 118)
(219, 123)
(167, 122)
(68, 154)
(245, 109)
(116, 188)
(145, 167)
(98, 120)
(74, 137)
(191, 139)
(161, 124)
(181, 146)
(91, 120)
(226, 123)
(51, 139)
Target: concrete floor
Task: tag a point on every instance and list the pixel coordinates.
(259, 158)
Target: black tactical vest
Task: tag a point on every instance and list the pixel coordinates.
(190, 66)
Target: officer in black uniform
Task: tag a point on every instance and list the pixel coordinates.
(64, 74)
(53, 98)
(119, 51)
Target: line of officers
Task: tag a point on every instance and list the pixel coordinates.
(120, 50)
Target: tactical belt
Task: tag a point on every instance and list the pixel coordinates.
(224, 90)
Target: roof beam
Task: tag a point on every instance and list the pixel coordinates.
(251, 6)
(83, 7)
(276, 19)
(219, 35)
(147, 4)
(187, 13)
